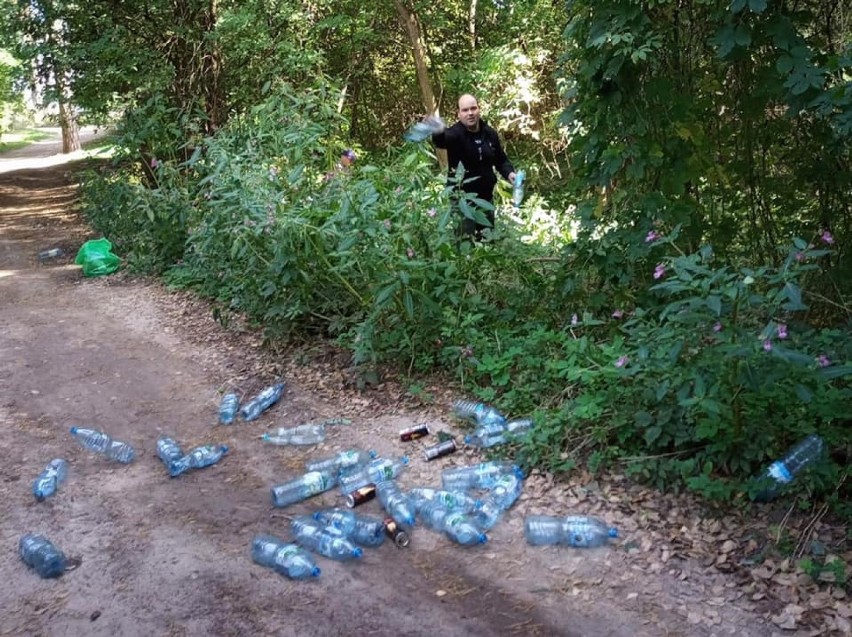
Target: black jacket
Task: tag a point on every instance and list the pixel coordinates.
(479, 153)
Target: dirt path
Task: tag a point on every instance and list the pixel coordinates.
(167, 556)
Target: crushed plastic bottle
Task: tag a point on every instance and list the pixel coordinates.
(40, 554)
(478, 476)
(260, 403)
(781, 472)
(347, 460)
(478, 413)
(228, 408)
(53, 253)
(431, 514)
(462, 529)
(396, 503)
(518, 188)
(579, 531)
(502, 496)
(308, 434)
(308, 485)
(198, 458)
(424, 129)
(168, 451)
(375, 471)
(451, 500)
(101, 443)
(287, 559)
(361, 529)
(48, 481)
(492, 435)
(328, 541)
(334, 422)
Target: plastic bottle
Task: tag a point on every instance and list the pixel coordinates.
(451, 500)
(168, 451)
(431, 514)
(579, 531)
(783, 471)
(263, 401)
(309, 434)
(492, 435)
(228, 408)
(101, 443)
(460, 528)
(396, 503)
(290, 560)
(518, 188)
(478, 476)
(361, 529)
(48, 481)
(302, 488)
(40, 554)
(478, 413)
(328, 541)
(502, 496)
(44, 255)
(343, 461)
(424, 129)
(198, 458)
(376, 471)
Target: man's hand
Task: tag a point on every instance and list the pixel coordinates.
(435, 123)
(511, 178)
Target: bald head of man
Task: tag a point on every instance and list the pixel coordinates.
(469, 112)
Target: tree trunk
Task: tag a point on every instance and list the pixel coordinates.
(411, 23)
(67, 117)
(471, 24)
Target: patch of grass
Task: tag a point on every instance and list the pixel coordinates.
(21, 138)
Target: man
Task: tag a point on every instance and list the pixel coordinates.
(476, 146)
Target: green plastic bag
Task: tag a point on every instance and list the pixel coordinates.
(97, 258)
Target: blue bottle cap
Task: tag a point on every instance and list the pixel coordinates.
(356, 552)
(613, 532)
(404, 460)
(73, 430)
(315, 571)
(482, 538)
(224, 448)
(373, 453)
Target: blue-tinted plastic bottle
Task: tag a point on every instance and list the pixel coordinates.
(783, 471)
(579, 531)
(328, 541)
(228, 408)
(479, 476)
(168, 451)
(263, 401)
(451, 500)
(503, 494)
(396, 503)
(460, 528)
(48, 481)
(302, 488)
(374, 472)
(361, 529)
(493, 435)
(347, 460)
(40, 554)
(287, 559)
(101, 443)
(477, 413)
(518, 188)
(198, 458)
(309, 434)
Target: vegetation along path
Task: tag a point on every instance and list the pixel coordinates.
(163, 556)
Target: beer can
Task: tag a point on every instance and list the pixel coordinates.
(413, 433)
(360, 496)
(441, 449)
(399, 536)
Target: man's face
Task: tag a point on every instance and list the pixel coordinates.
(469, 112)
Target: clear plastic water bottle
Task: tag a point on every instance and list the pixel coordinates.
(198, 458)
(263, 401)
(375, 471)
(53, 253)
(478, 413)
(361, 529)
(228, 408)
(287, 559)
(431, 514)
(451, 500)
(492, 435)
(48, 481)
(503, 494)
(168, 451)
(460, 528)
(347, 460)
(328, 541)
(518, 188)
(310, 484)
(478, 476)
(579, 531)
(422, 130)
(308, 434)
(783, 471)
(396, 503)
(40, 554)
(101, 443)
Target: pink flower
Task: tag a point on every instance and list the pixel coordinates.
(659, 271)
(781, 329)
(823, 360)
(410, 253)
(154, 162)
(574, 320)
(767, 345)
(826, 237)
(717, 327)
(800, 256)
(652, 236)
(621, 362)
(431, 212)
(617, 314)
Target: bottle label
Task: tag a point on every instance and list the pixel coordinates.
(453, 519)
(315, 482)
(348, 459)
(779, 472)
(386, 471)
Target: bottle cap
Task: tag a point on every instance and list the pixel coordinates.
(73, 430)
(613, 532)
(224, 448)
(315, 571)
(356, 552)
(404, 460)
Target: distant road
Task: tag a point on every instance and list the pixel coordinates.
(47, 152)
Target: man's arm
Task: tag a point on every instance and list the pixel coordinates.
(501, 161)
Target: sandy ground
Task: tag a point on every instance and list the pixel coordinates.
(163, 556)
